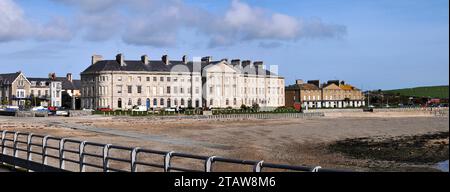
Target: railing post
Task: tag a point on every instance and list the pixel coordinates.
(258, 167)
(44, 149)
(15, 154)
(81, 150)
(316, 169)
(29, 148)
(3, 142)
(208, 164)
(61, 154)
(105, 158)
(133, 159)
(15, 151)
(167, 159)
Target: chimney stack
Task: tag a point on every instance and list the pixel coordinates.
(315, 82)
(52, 76)
(69, 77)
(299, 82)
(96, 58)
(145, 59)
(120, 59)
(184, 59)
(258, 64)
(165, 59)
(246, 63)
(235, 62)
(207, 59)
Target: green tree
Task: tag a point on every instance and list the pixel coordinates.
(255, 107)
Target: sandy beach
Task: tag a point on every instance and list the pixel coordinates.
(287, 141)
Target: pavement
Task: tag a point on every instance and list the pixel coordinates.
(4, 170)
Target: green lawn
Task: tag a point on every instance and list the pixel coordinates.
(433, 91)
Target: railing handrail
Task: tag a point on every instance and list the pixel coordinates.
(106, 156)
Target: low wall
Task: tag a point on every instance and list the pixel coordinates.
(79, 113)
(333, 110)
(242, 116)
(425, 109)
(31, 114)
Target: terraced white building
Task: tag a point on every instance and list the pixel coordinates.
(121, 84)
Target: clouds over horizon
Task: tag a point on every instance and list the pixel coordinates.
(160, 23)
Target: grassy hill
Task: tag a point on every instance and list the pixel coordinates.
(433, 91)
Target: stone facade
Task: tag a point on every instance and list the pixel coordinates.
(233, 85)
(14, 89)
(333, 94)
(121, 85)
(47, 90)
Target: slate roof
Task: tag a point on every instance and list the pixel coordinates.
(155, 66)
(69, 85)
(159, 66)
(8, 78)
(305, 86)
(66, 84)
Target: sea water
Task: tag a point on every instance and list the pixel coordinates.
(443, 166)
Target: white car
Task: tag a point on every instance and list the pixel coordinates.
(170, 110)
(40, 108)
(62, 113)
(140, 108)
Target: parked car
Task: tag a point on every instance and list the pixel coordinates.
(170, 110)
(12, 108)
(104, 109)
(62, 112)
(139, 108)
(40, 109)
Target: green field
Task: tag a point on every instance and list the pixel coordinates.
(433, 91)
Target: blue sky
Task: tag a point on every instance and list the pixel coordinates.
(378, 44)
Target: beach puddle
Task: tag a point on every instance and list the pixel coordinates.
(443, 166)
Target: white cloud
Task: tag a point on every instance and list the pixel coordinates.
(245, 23)
(12, 23)
(15, 26)
(160, 22)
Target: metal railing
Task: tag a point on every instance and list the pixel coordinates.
(56, 149)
